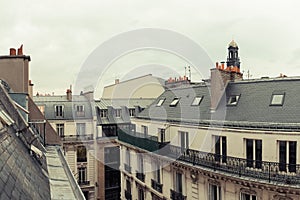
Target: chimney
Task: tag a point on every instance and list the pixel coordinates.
(117, 81)
(69, 95)
(12, 51)
(30, 89)
(222, 65)
(20, 50)
(217, 65)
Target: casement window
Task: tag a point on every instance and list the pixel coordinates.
(277, 99)
(245, 196)
(131, 112)
(162, 134)
(160, 102)
(141, 194)
(59, 110)
(82, 175)
(233, 100)
(140, 164)
(81, 154)
(254, 153)
(183, 140)
(220, 148)
(197, 101)
(118, 113)
(144, 130)
(174, 102)
(287, 155)
(214, 192)
(156, 171)
(178, 182)
(80, 128)
(80, 110)
(60, 129)
(103, 113)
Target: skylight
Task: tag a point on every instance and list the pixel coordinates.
(160, 102)
(174, 102)
(233, 100)
(277, 99)
(197, 101)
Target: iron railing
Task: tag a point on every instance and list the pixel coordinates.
(177, 195)
(127, 168)
(156, 185)
(140, 176)
(77, 137)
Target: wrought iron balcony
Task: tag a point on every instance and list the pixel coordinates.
(127, 168)
(140, 176)
(139, 140)
(128, 195)
(77, 137)
(156, 185)
(177, 195)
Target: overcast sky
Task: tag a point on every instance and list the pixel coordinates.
(60, 35)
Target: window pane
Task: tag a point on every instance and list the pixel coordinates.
(277, 99)
(174, 102)
(196, 101)
(233, 100)
(160, 102)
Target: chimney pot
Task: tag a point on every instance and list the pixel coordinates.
(12, 51)
(20, 50)
(69, 95)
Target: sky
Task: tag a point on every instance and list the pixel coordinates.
(61, 35)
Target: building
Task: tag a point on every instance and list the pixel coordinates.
(88, 129)
(32, 165)
(225, 138)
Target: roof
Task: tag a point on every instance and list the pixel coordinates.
(253, 104)
(233, 44)
(129, 103)
(69, 107)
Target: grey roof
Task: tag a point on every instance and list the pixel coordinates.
(253, 105)
(69, 106)
(129, 103)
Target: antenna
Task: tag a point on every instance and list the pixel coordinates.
(185, 71)
(190, 74)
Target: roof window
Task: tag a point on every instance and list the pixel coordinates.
(197, 101)
(277, 99)
(233, 100)
(174, 102)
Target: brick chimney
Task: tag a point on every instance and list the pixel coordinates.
(20, 50)
(69, 94)
(12, 52)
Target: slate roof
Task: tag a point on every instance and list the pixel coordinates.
(69, 106)
(129, 103)
(253, 105)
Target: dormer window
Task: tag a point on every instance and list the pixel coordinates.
(174, 102)
(80, 110)
(197, 101)
(160, 102)
(59, 110)
(233, 100)
(277, 99)
(118, 112)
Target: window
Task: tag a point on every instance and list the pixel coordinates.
(118, 112)
(81, 154)
(220, 149)
(80, 110)
(277, 99)
(245, 196)
(80, 128)
(214, 192)
(141, 195)
(140, 164)
(160, 102)
(178, 182)
(82, 175)
(162, 134)
(131, 112)
(128, 190)
(156, 171)
(103, 113)
(233, 100)
(184, 140)
(60, 129)
(254, 153)
(145, 130)
(287, 158)
(42, 109)
(197, 101)
(59, 111)
(174, 102)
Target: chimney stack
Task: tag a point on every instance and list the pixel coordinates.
(12, 52)
(69, 95)
(117, 81)
(20, 50)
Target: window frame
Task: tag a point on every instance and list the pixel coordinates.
(118, 113)
(282, 99)
(60, 129)
(199, 102)
(174, 102)
(80, 111)
(235, 103)
(59, 112)
(160, 102)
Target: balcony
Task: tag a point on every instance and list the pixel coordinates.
(77, 137)
(140, 176)
(138, 140)
(82, 182)
(177, 195)
(127, 168)
(128, 195)
(156, 186)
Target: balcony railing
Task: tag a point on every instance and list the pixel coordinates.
(81, 182)
(177, 195)
(77, 137)
(140, 176)
(127, 168)
(271, 171)
(156, 186)
(138, 139)
(128, 195)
